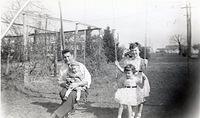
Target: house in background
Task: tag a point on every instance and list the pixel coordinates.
(161, 50)
(172, 49)
(195, 51)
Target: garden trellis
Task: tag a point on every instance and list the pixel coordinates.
(39, 47)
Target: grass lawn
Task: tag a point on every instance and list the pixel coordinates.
(174, 90)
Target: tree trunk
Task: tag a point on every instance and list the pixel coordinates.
(179, 48)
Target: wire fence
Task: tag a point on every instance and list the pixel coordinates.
(33, 46)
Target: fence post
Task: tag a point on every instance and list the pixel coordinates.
(84, 44)
(25, 50)
(45, 39)
(8, 58)
(55, 54)
(75, 40)
(61, 27)
(99, 50)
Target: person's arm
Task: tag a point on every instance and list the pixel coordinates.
(62, 76)
(143, 77)
(118, 66)
(139, 79)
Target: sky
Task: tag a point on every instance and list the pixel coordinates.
(157, 20)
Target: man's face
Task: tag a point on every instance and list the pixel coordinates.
(68, 57)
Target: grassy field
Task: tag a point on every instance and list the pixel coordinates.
(172, 87)
(174, 90)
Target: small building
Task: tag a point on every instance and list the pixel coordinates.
(172, 49)
(195, 51)
(160, 50)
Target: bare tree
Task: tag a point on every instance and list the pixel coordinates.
(178, 38)
(34, 7)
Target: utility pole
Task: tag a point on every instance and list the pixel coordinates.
(189, 27)
(189, 36)
(188, 18)
(61, 28)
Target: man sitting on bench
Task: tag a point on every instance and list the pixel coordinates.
(68, 104)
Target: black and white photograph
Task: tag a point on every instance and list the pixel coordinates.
(100, 59)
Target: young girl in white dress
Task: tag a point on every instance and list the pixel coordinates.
(133, 57)
(128, 95)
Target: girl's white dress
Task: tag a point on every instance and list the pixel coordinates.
(140, 65)
(128, 96)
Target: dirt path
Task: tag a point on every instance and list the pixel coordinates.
(18, 105)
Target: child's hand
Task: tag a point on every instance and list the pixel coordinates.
(68, 79)
(141, 85)
(116, 63)
(115, 86)
(73, 85)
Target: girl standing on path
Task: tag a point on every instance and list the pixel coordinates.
(128, 95)
(140, 65)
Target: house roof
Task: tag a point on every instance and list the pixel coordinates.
(171, 47)
(161, 49)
